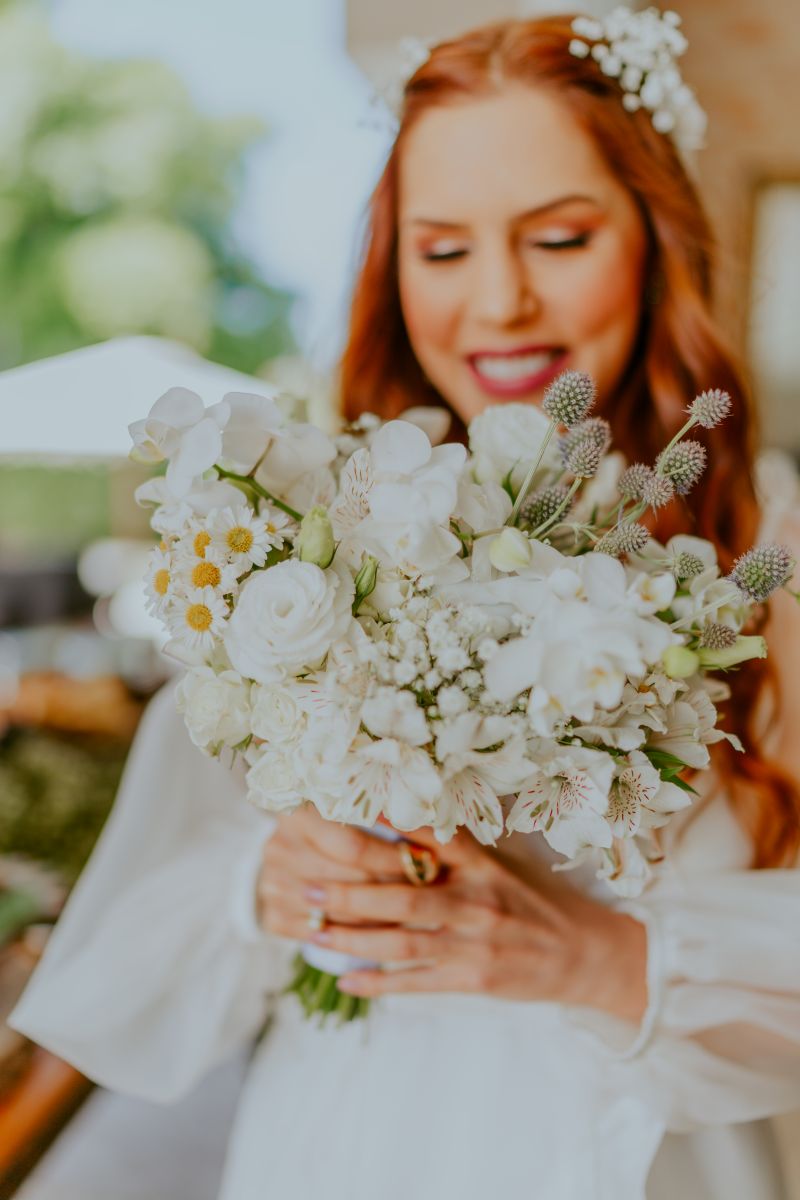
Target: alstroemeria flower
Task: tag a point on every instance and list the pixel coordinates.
(567, 799)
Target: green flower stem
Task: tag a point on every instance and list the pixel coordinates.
(528, 480)
(260, 491)
(690, 424)
(319, 995)
(545, 525)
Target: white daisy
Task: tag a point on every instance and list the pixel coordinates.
(160, 579)
(212, 570)
(241, 535)
(198, 618)
(279, 525)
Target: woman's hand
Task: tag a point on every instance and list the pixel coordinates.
(483, 929)
(306, 852)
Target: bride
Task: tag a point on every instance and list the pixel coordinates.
(557, 1042)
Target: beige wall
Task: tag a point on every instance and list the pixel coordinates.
(744, 61)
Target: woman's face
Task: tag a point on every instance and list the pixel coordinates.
(519, 252)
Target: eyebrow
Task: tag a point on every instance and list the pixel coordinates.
(539, 211)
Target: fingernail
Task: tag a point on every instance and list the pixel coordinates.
(315, 894)
(322, 938)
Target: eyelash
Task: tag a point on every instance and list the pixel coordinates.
(582, 239)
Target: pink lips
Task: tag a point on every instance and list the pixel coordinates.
(522, 385)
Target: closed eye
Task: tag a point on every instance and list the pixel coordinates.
(447, 256)
(573, 243)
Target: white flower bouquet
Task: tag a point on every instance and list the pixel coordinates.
(427, 636)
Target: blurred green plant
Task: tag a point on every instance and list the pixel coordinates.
(116, 197)
(55, 794)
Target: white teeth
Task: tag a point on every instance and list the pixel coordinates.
(513, 368)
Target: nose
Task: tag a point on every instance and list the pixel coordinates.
(504, 294)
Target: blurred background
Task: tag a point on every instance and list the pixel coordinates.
(185, 182)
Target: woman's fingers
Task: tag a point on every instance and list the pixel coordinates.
(351, 847)
(446, 977)
(404, 904)
(391, 945)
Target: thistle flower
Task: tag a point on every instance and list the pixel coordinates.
(634, 480)
(658, 491)
(717, 637)
(686, 565)
(569, 397)
(683, 463)
(710, 408)
(584, 456)
(543, 505)
(595, 428)
(629, 538)
(762, 570)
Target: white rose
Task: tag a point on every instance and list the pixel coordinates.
(286, 619)
(508, 437)
(277, 716)
(272, 781)
(216, 708)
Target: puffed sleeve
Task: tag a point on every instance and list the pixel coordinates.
(720, 1041)
(157, 969)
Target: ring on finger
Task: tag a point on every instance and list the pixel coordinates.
(420, 865)
(316, 920)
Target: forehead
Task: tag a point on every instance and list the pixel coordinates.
(503, 153)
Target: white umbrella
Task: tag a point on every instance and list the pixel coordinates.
(79, 405)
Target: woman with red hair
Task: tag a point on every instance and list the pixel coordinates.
(534, 1036)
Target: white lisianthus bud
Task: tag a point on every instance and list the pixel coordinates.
(679, 662)
(365, 582)
(510, 550)
(315, 542)
(743, 648)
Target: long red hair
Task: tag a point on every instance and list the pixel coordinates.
(680, 350)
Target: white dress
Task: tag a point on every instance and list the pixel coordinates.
(157, 971)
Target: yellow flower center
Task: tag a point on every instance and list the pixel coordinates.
(162, 545)
(199, 617)
(206, 574)
(270, 528)
(201, 540)
(161, 581)
(239, 539)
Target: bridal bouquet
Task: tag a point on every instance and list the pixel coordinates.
(438, 637)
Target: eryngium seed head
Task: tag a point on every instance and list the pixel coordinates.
(658, 491)
(633, 481)
(542, 505)
(686, 565)
(569, 397)
(762, 570)
(717, 637)
(683, 464)
(584, 457)
(629, 538)
(710, 408)
(595, 428)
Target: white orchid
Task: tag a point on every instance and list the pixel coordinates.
(506, 439)
(182, 430)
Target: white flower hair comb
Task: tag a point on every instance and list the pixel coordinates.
(640, 50)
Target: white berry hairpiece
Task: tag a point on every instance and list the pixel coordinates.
(387, 102)
(640, 50)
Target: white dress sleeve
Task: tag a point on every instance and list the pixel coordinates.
(720, 1042)
(157, 969)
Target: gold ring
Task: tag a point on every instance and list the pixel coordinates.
(316, 919)
(420, 865)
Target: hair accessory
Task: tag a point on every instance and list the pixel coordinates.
(387, 102)
(640, 50)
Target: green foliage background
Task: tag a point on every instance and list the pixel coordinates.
(116, 197)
